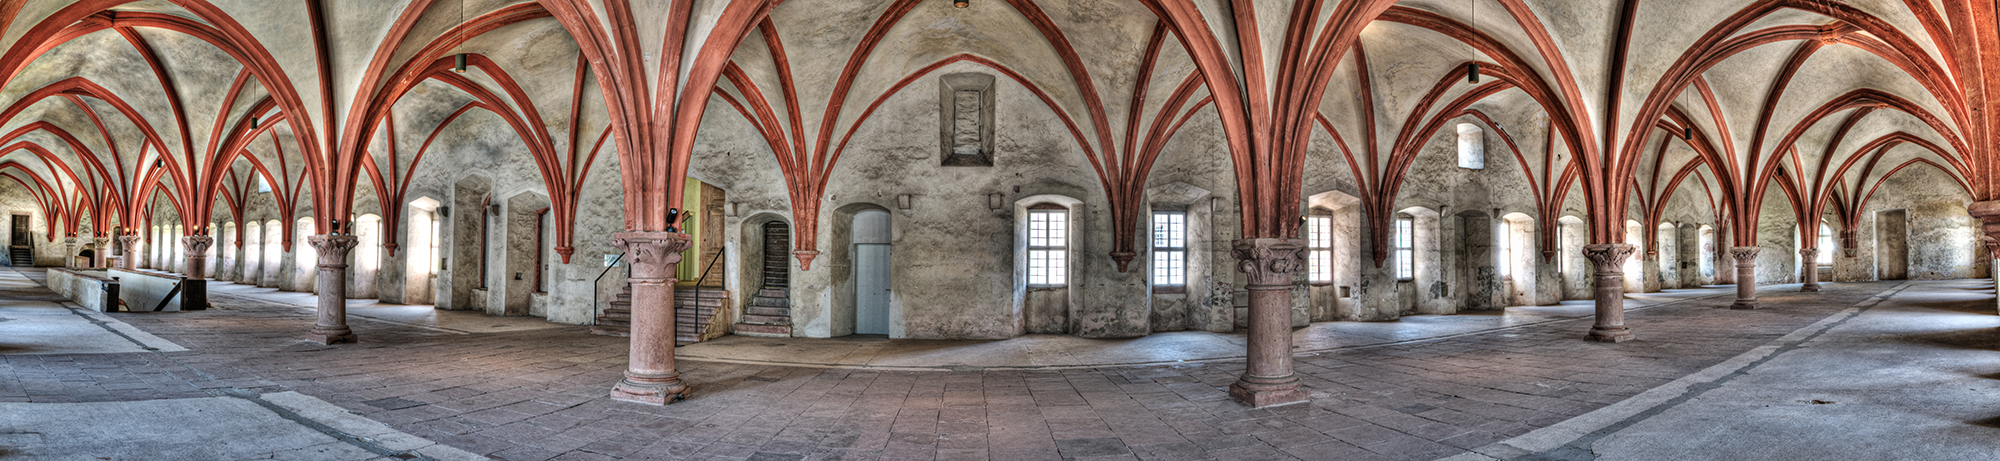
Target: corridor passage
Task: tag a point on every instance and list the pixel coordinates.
(1885, 370)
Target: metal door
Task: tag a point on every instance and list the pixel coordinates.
(871, 289)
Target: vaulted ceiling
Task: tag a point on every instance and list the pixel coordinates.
(110, 104)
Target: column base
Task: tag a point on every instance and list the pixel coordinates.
(662, 390)
(1617, 334)
(1259, 392)
(331, 337)
(1744, 305)
(1810, 288)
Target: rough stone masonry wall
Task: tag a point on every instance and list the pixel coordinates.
(1943, 240)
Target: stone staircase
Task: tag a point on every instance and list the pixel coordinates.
(770, 312)
(694, 314)
(20, 256)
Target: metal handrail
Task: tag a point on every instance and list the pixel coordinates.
(597, 286)
(703, 329)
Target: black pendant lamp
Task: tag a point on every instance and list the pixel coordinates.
(458, 60)
(961, 3)
(1472, 74)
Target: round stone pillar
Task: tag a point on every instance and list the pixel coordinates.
(128, 251)
(1746, 276)
(1267, 378)
(1809, 256)
(332, 325)
(195, 263)
(69, 252)
(650, 376)
(1609, 259)
(101, 256)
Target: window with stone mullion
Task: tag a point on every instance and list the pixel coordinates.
(1169, 248)
(1048, 247)
(1319, 247)
(1405, 249)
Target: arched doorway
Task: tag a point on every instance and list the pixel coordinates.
(871, 259)
(1477, 277)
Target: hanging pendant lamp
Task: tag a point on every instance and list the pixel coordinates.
(1472, 76)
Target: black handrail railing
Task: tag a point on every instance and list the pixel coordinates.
(703, 329)
(597, 286)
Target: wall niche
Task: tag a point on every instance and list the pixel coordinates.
(965, 127)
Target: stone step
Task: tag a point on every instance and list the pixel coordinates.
(761, 301)
(757, 310)
(773, 292)
(703, 302)
(764, 329)
(606, 331)
(767, 319)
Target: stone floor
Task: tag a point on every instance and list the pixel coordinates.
(1700, 383)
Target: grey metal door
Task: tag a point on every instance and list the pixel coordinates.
(871, 289)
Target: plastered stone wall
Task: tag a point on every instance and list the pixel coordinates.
(15, 200)
(1942, 239)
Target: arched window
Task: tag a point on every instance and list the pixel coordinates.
(1319, 248)
(1825, 256)
(1404, 246)
(1471, 147)
(1635, 274)
(1048, 245)
(1169, 248)
(304, 256)
(274, 251)
(1505, 253)
(368, 245)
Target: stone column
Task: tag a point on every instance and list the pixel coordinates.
(1988, 214)
(128, 251)
(195, 264)
(650, 376)
(1746, 276)
(1267, 378)
(1809, 256)
(332, 325)
(100, 256)
(69, 252)
(1609, 258)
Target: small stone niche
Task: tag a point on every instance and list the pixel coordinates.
(965, 126)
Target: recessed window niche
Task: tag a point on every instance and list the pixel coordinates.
(965, 126)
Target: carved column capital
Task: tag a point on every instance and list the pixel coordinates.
(1808, 253)
(332, 249)
(69, 241)
(1270, 261)
(1608, 258)
(197, 244)
(1745, 255)
(1847, 242)
(126, 241)
(653, 254)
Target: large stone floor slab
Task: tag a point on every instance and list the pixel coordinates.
(277, 426)
(34, 320)
(1418, 389)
